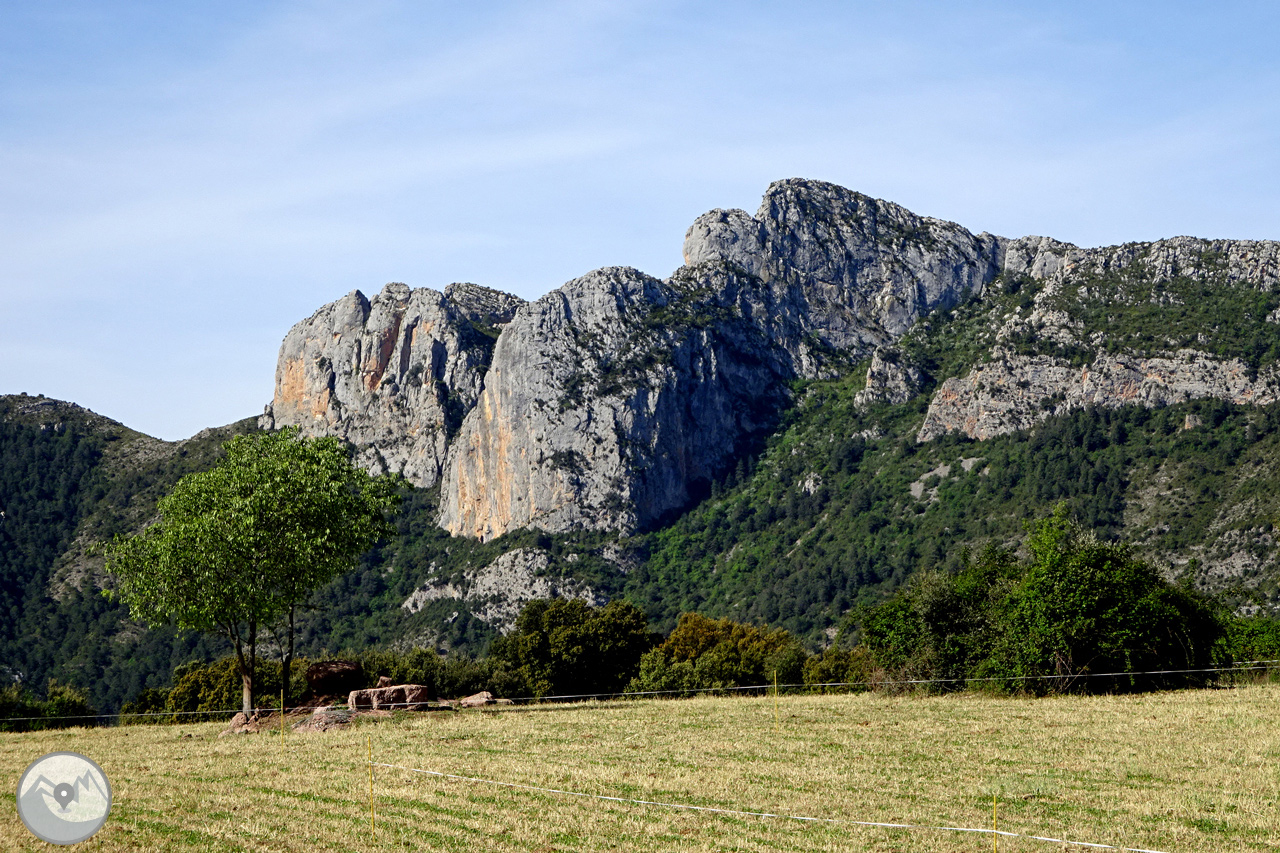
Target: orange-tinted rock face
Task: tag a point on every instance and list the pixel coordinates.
(388, 374)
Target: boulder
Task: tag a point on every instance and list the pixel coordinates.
(416, 697)
(388, 698)
(328, 677)
(360, 700)
(477, 700)
(324, 719)
(241, 724)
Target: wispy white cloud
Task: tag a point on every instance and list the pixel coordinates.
(231, 168)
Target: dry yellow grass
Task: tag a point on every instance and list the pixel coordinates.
(1188, 772)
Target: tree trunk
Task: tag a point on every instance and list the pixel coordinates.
(288, 665)
(246, 674)
(248, 697)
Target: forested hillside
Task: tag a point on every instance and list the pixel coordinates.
(69, 478)
(839, 507)
(833, 395)
(844, 505)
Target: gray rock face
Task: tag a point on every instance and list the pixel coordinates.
(617, 398)
(888, 380)
(1015, 392)
(609, 401)
(864, 270)
(1252, 262)
(393, 375)
(500, 590)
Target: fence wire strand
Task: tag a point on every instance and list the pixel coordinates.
(1239, 666)
(778, 815)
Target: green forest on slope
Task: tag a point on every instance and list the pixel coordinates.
(66, 472)
(838, 509)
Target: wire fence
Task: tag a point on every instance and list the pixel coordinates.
(780, 815)
(1237, 666)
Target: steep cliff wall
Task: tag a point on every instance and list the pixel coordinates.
(615, 399)
(394, 375)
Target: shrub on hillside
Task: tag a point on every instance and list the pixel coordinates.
(565, 647)
(704, 654)
(63, 707)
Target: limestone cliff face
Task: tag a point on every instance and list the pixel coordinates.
(617, 398)
(1015, 392)
(1012, 391)
(393, 375)
(497, 592)
(610, 402)
(860, 270)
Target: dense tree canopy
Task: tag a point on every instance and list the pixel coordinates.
(564, 646)
(1075, 609)
(703, 653)
(245, 543)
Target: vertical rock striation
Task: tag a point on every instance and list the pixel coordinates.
(619, 397)
(394, 374)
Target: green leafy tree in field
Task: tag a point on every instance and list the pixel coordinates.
(246, 543)
(1086, 606)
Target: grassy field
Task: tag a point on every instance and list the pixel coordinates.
(1194, 771)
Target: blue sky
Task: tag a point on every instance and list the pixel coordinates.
(181, 182)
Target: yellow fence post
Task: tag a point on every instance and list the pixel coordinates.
(995, 827)
(373, 832)
(776, 724)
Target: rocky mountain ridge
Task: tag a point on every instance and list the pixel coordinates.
(613, 401)
(830, 395)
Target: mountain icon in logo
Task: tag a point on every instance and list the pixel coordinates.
(64, 798)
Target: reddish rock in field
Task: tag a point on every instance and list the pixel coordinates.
(328, 677)
(416, 697)
(477, 700)
(241, 724)
(390, 698)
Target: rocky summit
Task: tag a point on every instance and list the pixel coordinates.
(831, 395)
(613, 401)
